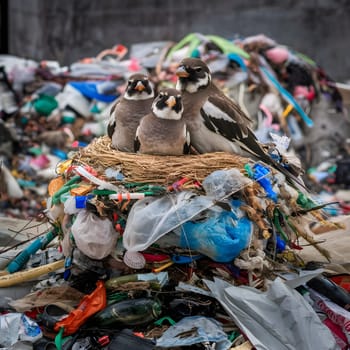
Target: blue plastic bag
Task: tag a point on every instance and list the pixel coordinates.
(221, 236)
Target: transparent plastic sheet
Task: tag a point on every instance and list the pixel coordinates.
(279, 318)
(17, 326)
(200, 330)
(222, 183)
(94, 236)
(152, 218)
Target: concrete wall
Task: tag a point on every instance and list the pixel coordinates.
(68, 30)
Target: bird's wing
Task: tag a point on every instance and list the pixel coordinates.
(114, 107)
(111, 120)
(228, 120)
(233, 109)
(110, 128)
(224, 117)
(187, 143)
(137, 143)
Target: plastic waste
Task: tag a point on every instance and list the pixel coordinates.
(21, 259)
(70, 206)
(17, 326)
(90, 90)
(94, 236)
(279, 318)
(152, 218)
(156, 280)
(261, 174)
(126, 340)
(133, 312)
(222, 235)
(70, 97)
(45, 104)
(331, 290)
(336, 313)
(222, 183)
(195, 330)
(89, 305)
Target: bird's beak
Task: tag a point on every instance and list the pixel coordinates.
(139, 86)
(171, 101)
(182, 72)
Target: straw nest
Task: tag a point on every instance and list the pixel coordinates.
(163, 170)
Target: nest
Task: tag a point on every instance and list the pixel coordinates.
(163, 170)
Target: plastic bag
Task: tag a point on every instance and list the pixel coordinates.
(89, 305)
(94, 236)
(205, 330)
(152, 218)
(17, 326)
(221, 237)
(279, 318)
(222, 183)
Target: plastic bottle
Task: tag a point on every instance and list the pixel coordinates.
(131, 312)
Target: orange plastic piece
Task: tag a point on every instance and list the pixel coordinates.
(81, 190)
(54, 185)
(89, 305)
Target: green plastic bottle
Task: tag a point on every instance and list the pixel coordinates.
(131, 312)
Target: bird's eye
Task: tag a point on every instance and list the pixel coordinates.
(161, 94)
(199, 69)
(130, 81)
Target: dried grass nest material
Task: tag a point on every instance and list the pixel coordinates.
(163, 170)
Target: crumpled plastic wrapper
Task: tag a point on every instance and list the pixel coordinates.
(17, 326)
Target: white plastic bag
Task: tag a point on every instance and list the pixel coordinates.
(279, 318)
(94, 237)
(152, 218)
(16, 326)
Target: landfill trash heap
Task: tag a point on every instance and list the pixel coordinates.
(164, 251)
(48, 110)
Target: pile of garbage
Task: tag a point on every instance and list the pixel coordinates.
(49, 110)
(198, 251)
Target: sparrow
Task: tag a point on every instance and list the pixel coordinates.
(163, 131)
(127, 112)
(215, 122)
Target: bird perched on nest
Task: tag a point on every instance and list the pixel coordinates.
(215, 122)
(126, 114)
(163, 131)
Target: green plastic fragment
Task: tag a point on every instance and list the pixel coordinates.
(104, 192)
(45, 104)
(165, 318)
(37, 151)
(276, 222)
(249, 170)
(305, 202)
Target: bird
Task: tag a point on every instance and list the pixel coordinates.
(127, 112)
(163, 131)
(216, 123)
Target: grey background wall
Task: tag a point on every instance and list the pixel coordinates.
(67, 30)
